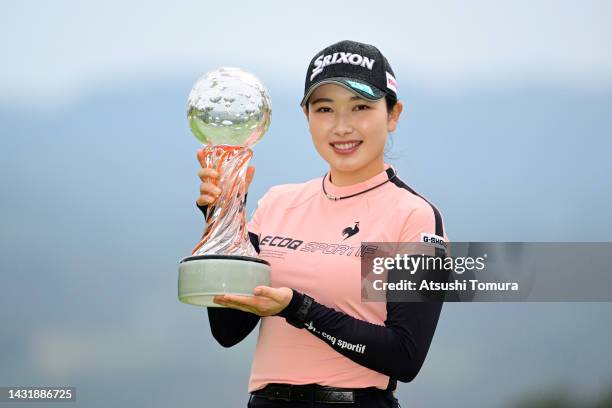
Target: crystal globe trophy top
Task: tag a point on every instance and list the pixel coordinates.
(229, 111)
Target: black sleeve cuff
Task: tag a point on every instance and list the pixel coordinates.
(293, 306)
(203, 208)
(296, 312)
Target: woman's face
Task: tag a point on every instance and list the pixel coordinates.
(350, 132)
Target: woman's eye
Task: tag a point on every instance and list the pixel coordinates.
(362, 107)
(324, 109)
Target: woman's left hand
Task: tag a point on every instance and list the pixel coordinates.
(267, 301)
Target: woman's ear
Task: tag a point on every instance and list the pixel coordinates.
(305, 109)
(394, 116)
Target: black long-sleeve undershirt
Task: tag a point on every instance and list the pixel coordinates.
(230, 326)
(397, 349)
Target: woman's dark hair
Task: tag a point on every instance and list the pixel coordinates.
(391, 101)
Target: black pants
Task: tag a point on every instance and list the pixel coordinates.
(386, 400)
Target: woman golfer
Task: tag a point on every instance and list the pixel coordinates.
(319, 345)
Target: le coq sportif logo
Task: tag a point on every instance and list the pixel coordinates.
(350, 231)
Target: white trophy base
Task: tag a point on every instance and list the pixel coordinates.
(201, 277)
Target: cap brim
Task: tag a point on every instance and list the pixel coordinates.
(359, 88)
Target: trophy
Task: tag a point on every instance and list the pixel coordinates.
(229, 111)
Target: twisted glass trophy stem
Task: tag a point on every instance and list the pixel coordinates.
(226, 232)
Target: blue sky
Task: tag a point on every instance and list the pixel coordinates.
(54, 51)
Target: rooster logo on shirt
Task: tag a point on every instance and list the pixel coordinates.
(350, 231)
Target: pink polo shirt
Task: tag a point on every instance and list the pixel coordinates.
(312, 245)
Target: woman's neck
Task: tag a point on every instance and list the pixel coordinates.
(341, 179)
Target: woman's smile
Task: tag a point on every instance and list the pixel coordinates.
(346, 147)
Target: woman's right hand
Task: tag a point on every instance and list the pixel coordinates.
(209, 188)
